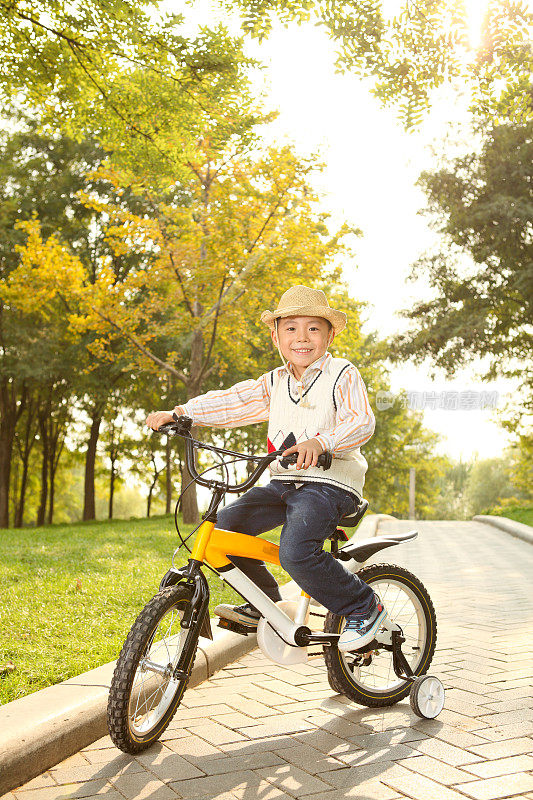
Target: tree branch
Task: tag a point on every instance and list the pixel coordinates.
(196, 171)
(213, 334)
(38, 24)
(250, 262)
(180, 280)
(168, 367)
(74, 43)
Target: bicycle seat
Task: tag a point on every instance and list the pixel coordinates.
(353, 519)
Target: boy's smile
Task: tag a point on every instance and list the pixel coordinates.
(302, 340)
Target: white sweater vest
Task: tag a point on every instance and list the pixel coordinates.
(292, 421)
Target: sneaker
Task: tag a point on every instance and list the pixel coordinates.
(359, 631)
(245, 614)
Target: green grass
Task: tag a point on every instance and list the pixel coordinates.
(522, 514)
(70, 593)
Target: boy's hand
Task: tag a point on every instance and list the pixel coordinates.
(308, 453)
(158, 418)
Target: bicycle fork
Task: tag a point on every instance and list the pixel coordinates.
(195, 619)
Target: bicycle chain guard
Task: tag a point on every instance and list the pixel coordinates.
(272, 645)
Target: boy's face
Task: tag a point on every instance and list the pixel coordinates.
(303, 339)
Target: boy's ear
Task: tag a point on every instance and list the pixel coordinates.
(274, 337)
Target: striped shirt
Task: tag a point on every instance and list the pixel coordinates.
(249, 401)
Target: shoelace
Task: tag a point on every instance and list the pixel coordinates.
(247, 609)
(354, 624)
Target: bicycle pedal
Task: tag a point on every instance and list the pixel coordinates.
(236, 627)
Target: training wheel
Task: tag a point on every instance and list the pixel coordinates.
(427, 697)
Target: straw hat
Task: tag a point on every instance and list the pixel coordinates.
(301, 301)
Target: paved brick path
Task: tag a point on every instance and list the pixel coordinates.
(261, 732)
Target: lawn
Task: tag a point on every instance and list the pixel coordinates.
(71, 592)
(522, 514)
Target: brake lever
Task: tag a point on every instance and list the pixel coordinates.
(166, 428)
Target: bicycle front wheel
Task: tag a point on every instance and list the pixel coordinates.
(369, 678)
(144, 693)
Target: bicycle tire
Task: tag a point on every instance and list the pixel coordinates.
(344, 669)
(334, 683)
(125, 729)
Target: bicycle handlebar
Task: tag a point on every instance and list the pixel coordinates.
(182, 427)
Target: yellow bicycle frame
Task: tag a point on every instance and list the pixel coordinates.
(214, 545)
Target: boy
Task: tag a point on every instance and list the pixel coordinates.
(313, 403)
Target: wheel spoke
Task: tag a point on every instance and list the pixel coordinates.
(404, 607)
(152, 691)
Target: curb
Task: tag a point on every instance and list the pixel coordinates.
(517, 529)
(44, 728)
(377, 519)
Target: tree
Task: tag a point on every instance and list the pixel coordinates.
(482, 205)
(69, 59)
(116, 71)
(400, 442)
(24, 441)
(44, 364)
(452, 501)
(40, 175)
(149, 466)
(487, 484)
(240, 226)
(416, 47)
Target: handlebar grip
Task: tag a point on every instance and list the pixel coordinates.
(324, 460)
(181, 425)
(184, 422)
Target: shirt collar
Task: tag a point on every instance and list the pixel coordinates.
(316, 366)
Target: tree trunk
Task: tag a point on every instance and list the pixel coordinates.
(89, 511)
(168, 467)
(25, 452)
(52, 481)
(19, 513)
(14, 481)
(19, 518)
(10, 413)
(43, 429)
(189, 500)
(111, 489)
(7, 433)
(55, 455)
(149, 500)
(56, 448)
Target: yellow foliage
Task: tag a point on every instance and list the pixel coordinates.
(47, 271)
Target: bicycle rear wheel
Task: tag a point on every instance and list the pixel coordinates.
(144, 694)
(369, 679)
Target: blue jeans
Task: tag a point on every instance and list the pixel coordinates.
(309, 515)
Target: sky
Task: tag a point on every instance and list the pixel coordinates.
(372, 165)
(369, 181)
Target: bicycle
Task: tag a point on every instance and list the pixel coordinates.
(156, 660)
